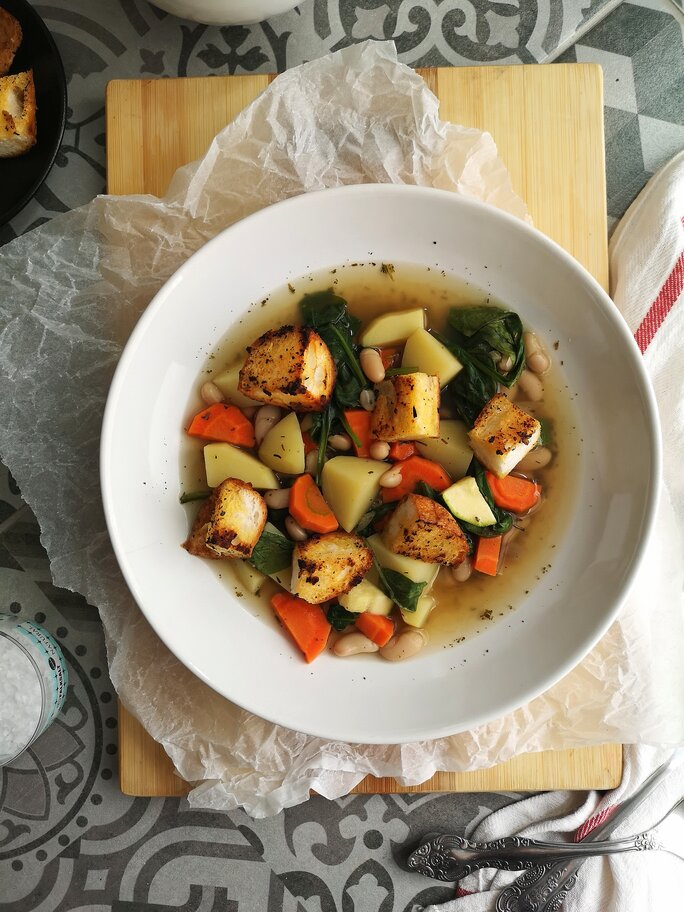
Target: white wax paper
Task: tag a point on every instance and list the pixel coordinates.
(73, 290)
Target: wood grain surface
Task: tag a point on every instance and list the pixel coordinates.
(548, 125)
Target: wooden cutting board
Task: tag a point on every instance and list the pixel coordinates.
(547, 122)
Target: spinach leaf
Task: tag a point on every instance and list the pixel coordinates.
(327, 313)
(482, 331)
(470, 390)
(273, 552)
(504, 519)
(546, 436)
(479, 337)
(424, 489)
(189, 496)
(403, 591)
(340, 618)
(365, 525)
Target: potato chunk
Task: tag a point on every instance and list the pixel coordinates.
(326, 566)
(282, 449)
(237, 520)
(349, 485)
(451, 449)
(289, 367)
(222, 460)
(424, 530)
(406, 408)
(502, 435)
(427, 354)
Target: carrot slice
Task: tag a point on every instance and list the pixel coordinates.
(401, 450)
(388, 356)
(306, 623)
(487, 554)
(377, 628)
(512, 493)
(413, 470)
(309, 443)
(223, 422)
(359, 420)
(308, 508)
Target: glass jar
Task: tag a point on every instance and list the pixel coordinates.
(33, 684)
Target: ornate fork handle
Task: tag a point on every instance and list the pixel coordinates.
(450, 858)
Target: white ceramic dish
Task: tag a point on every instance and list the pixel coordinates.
(438, 693)
(226, 12)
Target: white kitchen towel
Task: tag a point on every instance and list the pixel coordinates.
(647, 285)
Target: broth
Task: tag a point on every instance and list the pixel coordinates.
(462, 609)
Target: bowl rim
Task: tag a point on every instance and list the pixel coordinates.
(618, 324)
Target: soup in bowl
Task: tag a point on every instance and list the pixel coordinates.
(396, 420)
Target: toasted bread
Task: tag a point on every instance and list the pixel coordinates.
(10, 39)
(424, 530)
(326, 566)
(289, 367)
(237, 520)
(406, 408)
(17, 114)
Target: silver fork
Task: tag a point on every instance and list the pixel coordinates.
(544, 889)
(451, 858)
(545, 885)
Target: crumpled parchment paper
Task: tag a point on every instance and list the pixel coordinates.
(73, 289)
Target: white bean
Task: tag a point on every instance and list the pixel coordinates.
(371, 365)
(379, 450)
(539, 458)
(537, 360)
(404, 646)
(538, 363)
(352, 644)
(278, 499)
(306, 422)
(340, 442)
(392, 478)
(211, 394)
(295, 531)
(462, 572)
(311, 462)
(367, 400)
(266, 418)
(531, 386)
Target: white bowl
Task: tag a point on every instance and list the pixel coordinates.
(226, 12)
(442, 691)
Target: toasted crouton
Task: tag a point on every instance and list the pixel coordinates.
(406, 408)
(237, 520)
(326, 566)
(17, 114)
(289, 367)
(424, 530)
(196, 542)
(10, 39)
(502, 435)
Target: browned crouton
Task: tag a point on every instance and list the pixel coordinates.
(196, 542)
(326, 566)
(289, 367)
(10, 39)
(502, 435)
(237, 520)
(406, 408)
(424, 530)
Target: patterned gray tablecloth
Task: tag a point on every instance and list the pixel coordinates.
(68, 838)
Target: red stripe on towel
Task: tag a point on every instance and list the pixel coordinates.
(663, 304)
(593, 822)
